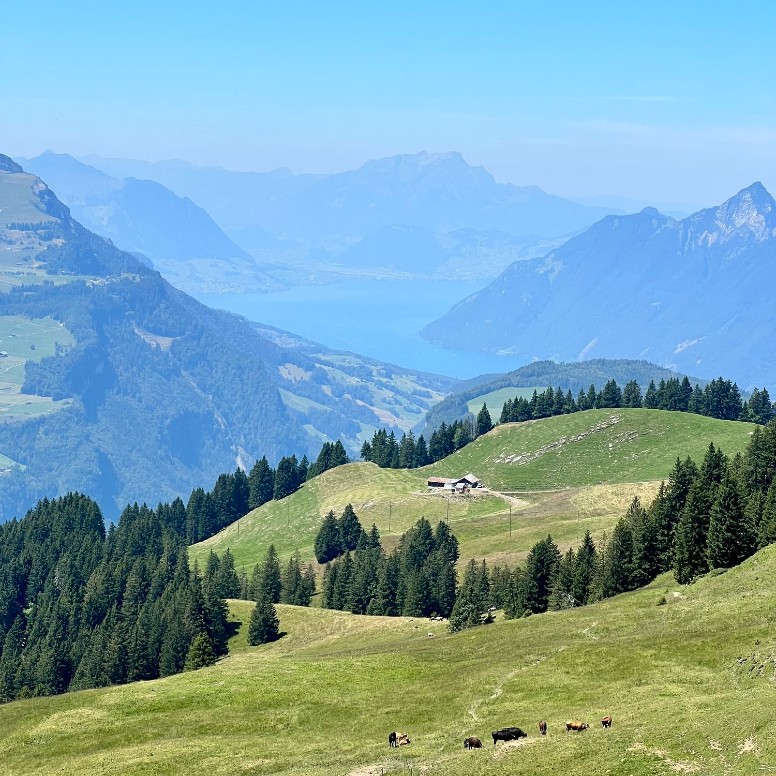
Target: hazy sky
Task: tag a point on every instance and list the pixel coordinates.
(662, 101)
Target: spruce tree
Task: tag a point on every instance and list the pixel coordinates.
(731, 537)
(328, 540)
(484, 423)
(264, 625)
(200, 654)
(271, 583)
(470, 607)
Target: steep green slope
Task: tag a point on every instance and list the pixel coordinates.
(689, 685)
(589, 456)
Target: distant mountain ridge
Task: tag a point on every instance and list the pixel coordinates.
(689, 294)
(140, 216)
(341, 218)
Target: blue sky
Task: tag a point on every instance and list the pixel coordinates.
(665, 102)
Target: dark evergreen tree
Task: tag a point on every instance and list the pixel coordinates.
(271, 580)
(731, 536)
(261, 484)
(328, 540)
(540, 568)
(631, 395)
(484, 423)
(470, 606)
(264, 625)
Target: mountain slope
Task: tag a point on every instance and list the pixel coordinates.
(155, 394)
(137, 215)
(689, 685)
(686, 294)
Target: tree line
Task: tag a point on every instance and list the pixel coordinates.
(718, 399)
(81, 607)
(417, 579)
(409, 453)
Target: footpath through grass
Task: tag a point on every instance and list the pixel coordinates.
(689, 684)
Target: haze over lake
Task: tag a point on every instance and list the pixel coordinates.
(381, 319)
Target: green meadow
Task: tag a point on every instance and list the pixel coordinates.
(27, 339)
(565, 475)
(689, 684)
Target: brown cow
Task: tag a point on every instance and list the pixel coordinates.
(472, 742)
(543, 728)
(576, 725)
(606, 722)
(402, 739)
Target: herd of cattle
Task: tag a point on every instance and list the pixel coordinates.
(396, 739)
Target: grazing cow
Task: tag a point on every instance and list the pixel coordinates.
(396, 739)
(606, 722)
(430, 635)
(576, 725)
(472, 742)
(508, 734)
(543, 728)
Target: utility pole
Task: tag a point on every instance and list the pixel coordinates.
(510, 520)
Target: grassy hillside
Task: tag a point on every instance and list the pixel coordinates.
(590, 464)
(689, 684)
(614, 445)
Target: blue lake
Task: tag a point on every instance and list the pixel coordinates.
(377, 318)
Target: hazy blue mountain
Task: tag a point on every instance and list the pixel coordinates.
(137, 215)
(153, 393)
(692, 294)
(437, 192)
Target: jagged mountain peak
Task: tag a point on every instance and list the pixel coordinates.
(750, 214)
(9, 165)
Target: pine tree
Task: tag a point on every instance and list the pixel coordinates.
(731, 536)
(470, 607)
(291, 580)
(631, 395)
(200, 654)
(264, 625)
(328, 541)
(349, 528)
(271, 583)
(584, 569)
(539, 570)
(261, 484)
(484, 423)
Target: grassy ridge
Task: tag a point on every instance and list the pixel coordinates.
(640, 447)
(613, 445)
(689, 684)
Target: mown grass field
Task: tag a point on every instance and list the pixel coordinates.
(690, 685)
(565, 489)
